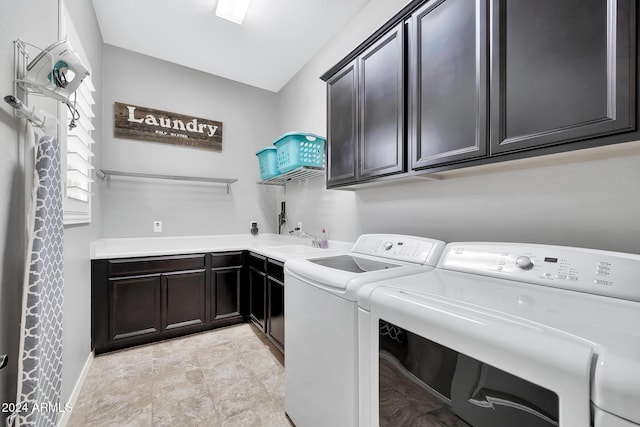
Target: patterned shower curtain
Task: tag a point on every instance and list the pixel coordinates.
(40, 364)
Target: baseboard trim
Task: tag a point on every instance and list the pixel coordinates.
(64, 419)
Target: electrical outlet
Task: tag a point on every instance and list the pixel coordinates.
(299, 226)
(157, 226)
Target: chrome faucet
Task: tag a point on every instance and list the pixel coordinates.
(314, 241)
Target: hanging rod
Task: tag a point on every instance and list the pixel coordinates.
(108, 173)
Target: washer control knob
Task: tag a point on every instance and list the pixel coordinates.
(524, 262)
(387, 245)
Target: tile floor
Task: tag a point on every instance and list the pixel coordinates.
(225, 377)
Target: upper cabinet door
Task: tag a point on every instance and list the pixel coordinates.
(381, 87)
(561, 71)
(342, 107)
(448, 82)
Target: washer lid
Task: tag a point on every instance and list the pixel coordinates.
(353, 264)
(345, 282)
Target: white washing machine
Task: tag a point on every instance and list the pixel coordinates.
(321, 325)
(504, 335)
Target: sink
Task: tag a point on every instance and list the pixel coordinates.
(295, 249)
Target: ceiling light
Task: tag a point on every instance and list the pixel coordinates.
(232, 10)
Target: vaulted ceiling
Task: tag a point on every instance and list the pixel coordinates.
(277, 38)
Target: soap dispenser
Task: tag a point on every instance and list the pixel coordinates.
(324, 243)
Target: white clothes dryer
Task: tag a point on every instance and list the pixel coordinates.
(321, 358)
(504, 334)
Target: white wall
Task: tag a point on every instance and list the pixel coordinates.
(249, 123)
(302, 106)
(36, 22)
(581, 199)
(77, 265)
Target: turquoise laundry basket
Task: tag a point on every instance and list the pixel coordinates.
(267, 158)
(296, 149)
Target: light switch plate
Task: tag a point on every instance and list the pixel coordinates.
(157, 226)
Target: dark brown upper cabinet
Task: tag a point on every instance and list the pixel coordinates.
(561, 71)
(447, 82)
(365, 109)
(342, 112)
(381, 89)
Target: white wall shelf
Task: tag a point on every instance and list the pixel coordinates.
(108, 173)
(299, 174)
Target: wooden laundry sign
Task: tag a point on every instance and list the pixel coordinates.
(147, 124)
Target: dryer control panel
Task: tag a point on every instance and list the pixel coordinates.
(419, 250)
(606, 273)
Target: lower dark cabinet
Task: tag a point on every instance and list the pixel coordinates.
(266, 288)
(275, 303)
(257, 292)
(275, 322)
(133, 307)
(227, 293)
(141, 300)
(184, 298)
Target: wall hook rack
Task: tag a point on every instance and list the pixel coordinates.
(24, 85)
(39, 119)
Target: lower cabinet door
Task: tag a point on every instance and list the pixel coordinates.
(134, 307)
(275, 327)
(184, 302)
(257, 297)
(226, 288)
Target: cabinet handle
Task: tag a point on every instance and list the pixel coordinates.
(4, 359)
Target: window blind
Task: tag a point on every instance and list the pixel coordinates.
(79, 142)
(77, 154)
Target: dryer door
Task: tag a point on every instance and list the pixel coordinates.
(423, 382)
(437, 361)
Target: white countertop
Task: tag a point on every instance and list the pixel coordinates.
(271, 245)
